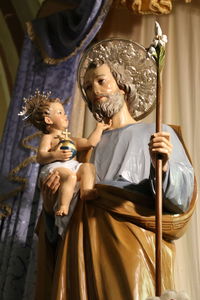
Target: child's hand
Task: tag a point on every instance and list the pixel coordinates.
(104, 126)
(63, 155)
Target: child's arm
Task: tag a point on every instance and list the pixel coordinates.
(93, 139)
(45, 155)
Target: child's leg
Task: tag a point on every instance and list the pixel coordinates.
(86, 174)
(68, 181)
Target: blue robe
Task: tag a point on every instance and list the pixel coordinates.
(122, 159)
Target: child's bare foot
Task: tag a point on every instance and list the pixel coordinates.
(63, 210)
(89, 194)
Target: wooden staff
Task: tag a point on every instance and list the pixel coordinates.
(158, 252)
(157, 51)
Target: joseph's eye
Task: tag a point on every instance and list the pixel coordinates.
(101, 81)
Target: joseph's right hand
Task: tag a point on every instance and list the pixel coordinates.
(49, 187)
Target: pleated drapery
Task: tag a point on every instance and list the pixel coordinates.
(18, 242)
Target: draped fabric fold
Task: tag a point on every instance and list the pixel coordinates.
(63, 35)
(108, 251)
(17, 240)
(95, 258)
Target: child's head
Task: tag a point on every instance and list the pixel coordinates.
(37, 108)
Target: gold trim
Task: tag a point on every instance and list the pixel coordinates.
(28, 139)
(149, 6)
(32, 159)
(23, 164)
(7, 211)
(164, 7)
(174, 225)
(12, 176)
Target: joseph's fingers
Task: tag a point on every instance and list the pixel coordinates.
(161, 134)
(55, 187)
(160, 144)
(160, 140)
(161, 151)
(50, 184)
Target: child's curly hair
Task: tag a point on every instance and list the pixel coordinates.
(36, 108)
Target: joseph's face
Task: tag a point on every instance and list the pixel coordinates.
(99, 82)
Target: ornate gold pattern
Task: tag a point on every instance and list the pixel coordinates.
(147, 6)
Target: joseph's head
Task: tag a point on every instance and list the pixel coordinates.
(106, 90)
(121, 72)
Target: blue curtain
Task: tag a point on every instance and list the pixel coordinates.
(75, 30)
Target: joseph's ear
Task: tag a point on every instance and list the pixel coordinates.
(48, 120)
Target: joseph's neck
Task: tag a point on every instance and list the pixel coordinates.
(122, 118)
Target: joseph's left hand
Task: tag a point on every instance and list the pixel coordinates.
(160, 144)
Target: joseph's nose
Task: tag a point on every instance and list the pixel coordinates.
(97, 89)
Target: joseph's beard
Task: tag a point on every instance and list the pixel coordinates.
(108, 108)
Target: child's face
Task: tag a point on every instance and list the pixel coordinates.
(58, 117)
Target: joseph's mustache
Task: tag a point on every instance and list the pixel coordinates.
(101, 95)
(104, 96)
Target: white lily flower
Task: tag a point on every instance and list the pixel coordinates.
(164, 38)
(160, 39)
(158, 42)
(158, 29)
(152, 50)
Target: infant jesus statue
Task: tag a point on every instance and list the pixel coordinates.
(58, 152)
